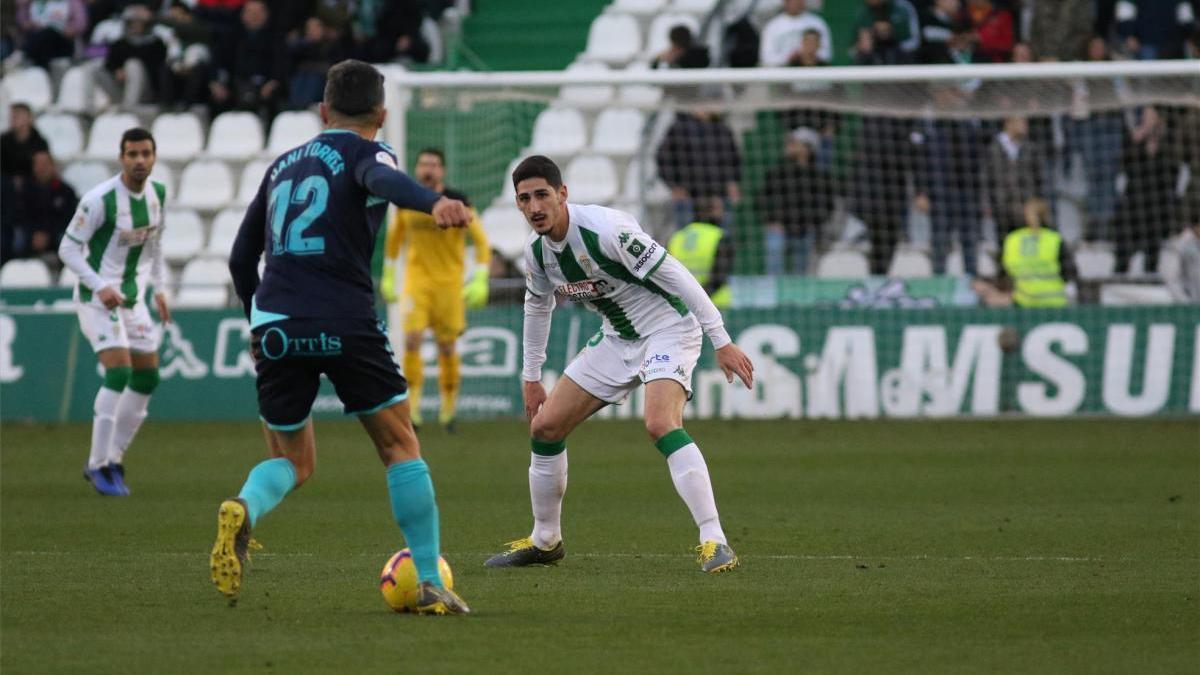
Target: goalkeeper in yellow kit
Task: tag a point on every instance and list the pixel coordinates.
(435, 295)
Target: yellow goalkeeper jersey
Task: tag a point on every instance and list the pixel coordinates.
(435, 256)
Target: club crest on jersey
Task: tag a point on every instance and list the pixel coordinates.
(586, 263)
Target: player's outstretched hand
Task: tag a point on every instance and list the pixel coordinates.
(111, 297)
(535, 396)
(450, 213)
(732, 360)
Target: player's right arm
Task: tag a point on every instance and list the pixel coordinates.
(378, 173)
(88, 217)
(539, 305)
(248, 247)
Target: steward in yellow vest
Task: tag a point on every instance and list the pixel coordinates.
(1036, 260)
(704, 250)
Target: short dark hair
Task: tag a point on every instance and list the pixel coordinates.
(137, 134)
(20, 105)
(680, 36)
(435, 152)
(538, 166)
(354, 88)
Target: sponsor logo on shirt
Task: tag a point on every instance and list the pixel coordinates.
(385, 159)
(589, 289)
(657, 358)
(136, 236)
(636, 248)
(647, 254)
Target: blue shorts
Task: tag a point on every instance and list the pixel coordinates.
(291, 355)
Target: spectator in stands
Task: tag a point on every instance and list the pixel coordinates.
(1095, 132)
(1036, 264)
(1059, 29)
(877, 46)
(947, 154)
(51, 28)
(1147, 212)
(994, 30)
(1155, 29)
(880, 198)
(795, 202)
(185, 80)
(45, 205)
(699, 157)
(10, 35)
(891, 24)
(1183, 277)
(255, 68)
(134, 67)
(809, 56)
(312, 54)
(391, 31)
(705, 251)
(1012, 174)
(683, 52)
(783, 36)
(938, 22)
(18, 144)
(8, 218)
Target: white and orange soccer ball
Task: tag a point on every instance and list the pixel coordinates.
(398, 580)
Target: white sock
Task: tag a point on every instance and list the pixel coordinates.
(103, 421)
(690, 475)
(547, 484)
(131, 412)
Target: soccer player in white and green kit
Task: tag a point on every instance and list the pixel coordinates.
(113, 245)
(655, 315)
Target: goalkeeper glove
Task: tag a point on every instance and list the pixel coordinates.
(475, 293)
(387, 284)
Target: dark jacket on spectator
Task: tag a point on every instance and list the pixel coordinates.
(254, 58)
(16, 155)
(797, 196)
(1157, 23)
(46, 208)
(1009, 183)
(148, 48)
(700, 156)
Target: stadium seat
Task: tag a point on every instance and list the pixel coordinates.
(179, 136)
(588, 96)
(1095, 262)
(183, 234)
(657, 36)
(73, 91)
(618, 131)
(203, 283)
(164, 174)
(640, 7)
(910, 263)
(235, 135)
(591, 179)
(63, 133)
(66, 278)
(506, 229)
(700, 7)
(290, 129)
(252, 176)
(640, 95)
(614, 39)
(558, 131)
(206, 184)
(656, 191)
(508, 193)
(29, 85)
(84, 176)
(843, 265)
(104, 139)
(30, 273)
(224, 230)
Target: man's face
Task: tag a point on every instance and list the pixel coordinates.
(794, 7)
(810, 43)
(541, 204)
(254, 15)
(430, 170)
(799, 151)
(137, 160)
(20, 119)
(43, 167)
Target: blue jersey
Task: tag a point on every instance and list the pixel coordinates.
(315, 220)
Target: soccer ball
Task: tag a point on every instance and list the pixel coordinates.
(398, 580)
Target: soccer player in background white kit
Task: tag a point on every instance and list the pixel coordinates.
(113, 244)
(655, 314)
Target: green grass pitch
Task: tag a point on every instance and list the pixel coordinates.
(956, 547)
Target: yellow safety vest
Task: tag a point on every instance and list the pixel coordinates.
(696, 247)
(1031, 259)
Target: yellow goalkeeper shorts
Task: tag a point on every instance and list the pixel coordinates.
(439, 307)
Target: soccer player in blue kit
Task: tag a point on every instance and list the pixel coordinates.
(315, 218)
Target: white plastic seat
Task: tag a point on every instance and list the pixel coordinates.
(252, 175)
(618, 131)
(206, 184)
(83, 176)
(909, 263)
(223, 231)
(25, 273)
(508, 193)
(164, 174)
(291, 128)
(506, 229)
(31, 86)
(589, 96)
(183, 234)
(640, 7)
(613, 38)
(640, 95)
(235, 135)
(700, 7)
(1095, 263)
(559, 131)
(591, 179)
(104, 139)
(73, 91)
(656, 191)
(203, 283)
(658, 35)
(179, 136)
(63, 133)
(843, 265)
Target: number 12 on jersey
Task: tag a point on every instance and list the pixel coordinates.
(288, 237)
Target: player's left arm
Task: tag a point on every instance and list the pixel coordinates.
(475, 292)
(248, 247)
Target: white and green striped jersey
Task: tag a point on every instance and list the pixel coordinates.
(606, 262)
(120, 235)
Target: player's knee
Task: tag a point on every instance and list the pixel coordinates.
(446, 348)
(544, 428)
(117, 377)
(658, 427)
(412, 342)
(144, 380)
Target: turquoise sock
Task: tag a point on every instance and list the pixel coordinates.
(416, 513)
(268, 483)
